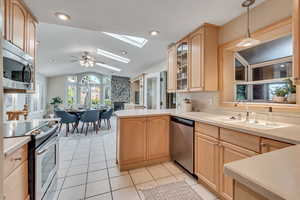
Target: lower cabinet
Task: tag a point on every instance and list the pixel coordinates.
(142, 141)
(16, 184)
(268, 145)
(132, 145)
(241, 192)
(158, 141)
(207, 159)
(230, 153)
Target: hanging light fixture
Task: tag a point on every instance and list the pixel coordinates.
(87, 60)
(249, 41)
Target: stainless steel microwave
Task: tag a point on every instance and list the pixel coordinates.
(17, 68)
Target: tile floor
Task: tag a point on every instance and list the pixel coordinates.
(87, 170)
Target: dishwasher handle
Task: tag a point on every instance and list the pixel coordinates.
(186, 122)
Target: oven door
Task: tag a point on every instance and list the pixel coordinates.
(46, 164)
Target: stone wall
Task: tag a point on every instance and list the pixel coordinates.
(120, 89)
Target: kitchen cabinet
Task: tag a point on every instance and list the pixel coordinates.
(142, 141)
(268, 145)
(182, 66)
(16, 175)
(207, 159)
(18, 24)
(31, 36)
(296, 40)
(158, 131)
(4, 14)
(241, 192)
(132, 136)
(203, 45)
(196, 62)
(172, 69)
(229, 153)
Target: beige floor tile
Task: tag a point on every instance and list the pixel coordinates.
(173, 168)
(126, 194)
(147, 185)
(115, 171)
(97, 188)
(187, 178)
(163, 181)
(73, 193)
(106, 196)
(76, 180)
(120, 182)
(137, 170)
(97, 166)
(159, 171)
(77, 170)
(142, 176)
(203, 192)
(97, 175)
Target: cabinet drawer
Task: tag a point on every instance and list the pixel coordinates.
(207, 129)
(12, 161)
(240, 139)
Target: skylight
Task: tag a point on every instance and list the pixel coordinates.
(113, 56)
(108, 67)
(135, 41)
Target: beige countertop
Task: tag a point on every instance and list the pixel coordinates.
(275, 175)
(289, 134)
(12, 144)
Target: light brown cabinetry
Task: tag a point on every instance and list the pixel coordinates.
(132, 140)
(268, 145)
(142, 141)
(172, 69)
(241, 192)
(16, 175)
(207, 159)
(158, 137)
(18, 24)
(296, 40)
(230, 153)
(196, 61)
(203, 59)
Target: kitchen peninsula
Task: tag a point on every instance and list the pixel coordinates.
(218, 141)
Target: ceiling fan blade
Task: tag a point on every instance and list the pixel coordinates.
(74, 61)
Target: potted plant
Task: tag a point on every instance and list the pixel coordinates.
(56, 101)
(280, 95)
(291, 98)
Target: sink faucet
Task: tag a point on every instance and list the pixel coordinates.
(247, 113)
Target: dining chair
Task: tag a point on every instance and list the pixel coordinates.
(90, 116)
(106, 117)
(67, 118)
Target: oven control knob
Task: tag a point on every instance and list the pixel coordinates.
(36, 132)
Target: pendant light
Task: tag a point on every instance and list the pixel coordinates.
(249, 41)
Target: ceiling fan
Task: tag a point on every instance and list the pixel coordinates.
(86, 60)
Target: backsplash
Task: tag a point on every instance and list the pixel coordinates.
(209, 102)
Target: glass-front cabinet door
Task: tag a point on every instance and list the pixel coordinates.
(182, 66)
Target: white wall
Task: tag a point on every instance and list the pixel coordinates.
(158, 67)
(56, 87)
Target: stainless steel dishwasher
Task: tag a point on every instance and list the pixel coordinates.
(182, 142)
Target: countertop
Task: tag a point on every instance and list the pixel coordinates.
(289, 134)
(275, 175)
(10, 145)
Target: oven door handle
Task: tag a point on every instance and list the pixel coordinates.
(46, 148)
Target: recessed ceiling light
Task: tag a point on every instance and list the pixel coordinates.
(108, 67)
(154, 33)
(113, 56)
(124, 52)
(62, 16)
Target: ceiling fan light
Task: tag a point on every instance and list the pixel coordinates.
(248, 42)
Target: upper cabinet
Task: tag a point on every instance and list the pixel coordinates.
(296, 39)
(18, 24)
(196, 61)
(172, 69)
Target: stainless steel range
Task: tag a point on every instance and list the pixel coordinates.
(42, 153)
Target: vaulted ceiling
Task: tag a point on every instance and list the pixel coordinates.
(173, 19)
